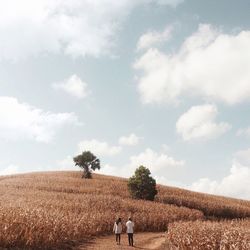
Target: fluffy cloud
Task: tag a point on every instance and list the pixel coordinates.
(9, 170)
(66, 164)
(199, 123)
(22, 121)
(76, 28)
(235, 184)
(99, 148)
(130, 140)
(153, 38)
(73, 86)
(155, 161)
(209, 64)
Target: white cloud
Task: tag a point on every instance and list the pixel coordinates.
(157, 162)
(99, 148)
(75, 28)
(130, 140)
(9, 170)
(199, 123)
(209, 64)
(66, 164)
(108, 169)
(154, 160)
(161, 179)
(243, 132)
(153, 38)
(73, 86)
(23, 121)
(235, 184)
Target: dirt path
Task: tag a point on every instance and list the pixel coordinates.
(144, 241)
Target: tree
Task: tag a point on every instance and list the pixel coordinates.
(141, 185)
(87, 161)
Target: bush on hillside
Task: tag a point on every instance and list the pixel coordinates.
(141, 185)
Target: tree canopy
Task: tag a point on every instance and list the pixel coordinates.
(141, 185)
(88, 162)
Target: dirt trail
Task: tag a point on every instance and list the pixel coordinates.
(144, 241)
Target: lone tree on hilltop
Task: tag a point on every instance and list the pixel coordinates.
(87, 161)
(141, 185)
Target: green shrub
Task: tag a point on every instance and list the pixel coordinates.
(141, 185)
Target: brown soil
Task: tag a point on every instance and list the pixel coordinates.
(144, 241)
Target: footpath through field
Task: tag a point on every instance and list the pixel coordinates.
(144, 241)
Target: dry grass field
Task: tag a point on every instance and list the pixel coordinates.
(223, 235)
(49, 210)
(56, 210)
(210, 205)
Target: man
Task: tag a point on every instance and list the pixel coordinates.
(130, 231)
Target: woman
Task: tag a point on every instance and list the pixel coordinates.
(118, 230)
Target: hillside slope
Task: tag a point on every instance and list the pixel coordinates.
(211, 205)
(58, 209)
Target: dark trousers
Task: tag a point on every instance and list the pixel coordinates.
(130, 239)
(118, 238)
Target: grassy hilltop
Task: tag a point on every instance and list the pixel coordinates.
(58, 209)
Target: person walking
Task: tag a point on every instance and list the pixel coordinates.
(130, 231)
(118, 230)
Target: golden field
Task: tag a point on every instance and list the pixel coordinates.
(56, 210)
(210, 205)
(223, 235)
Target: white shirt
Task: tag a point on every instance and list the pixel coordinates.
(117, 228)
(130, 227)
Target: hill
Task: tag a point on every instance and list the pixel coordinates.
(211, 205)
(58, 209)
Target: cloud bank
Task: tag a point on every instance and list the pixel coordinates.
(98, 148)
(157, 162)
(10, 170)
(23, 121)
(153, 38)
(209, 64)
(130, 140)
(235, 184)
(199, 123)
(76, 28)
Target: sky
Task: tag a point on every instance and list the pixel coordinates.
(159, 83)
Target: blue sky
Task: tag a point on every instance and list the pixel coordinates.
(164, 83)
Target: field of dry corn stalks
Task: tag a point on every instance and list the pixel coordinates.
(223, 235)
(210, 205)
(52, 210)
(56, 210)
